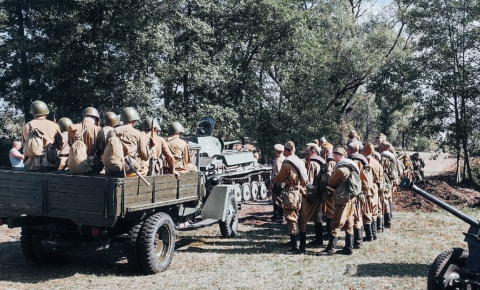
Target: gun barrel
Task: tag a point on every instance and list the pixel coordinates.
(408, 184)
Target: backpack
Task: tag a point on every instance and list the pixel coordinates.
(353, 184)
(390, 166)
(114, 156)
(367, 178)
(33, 146)
(78, 161)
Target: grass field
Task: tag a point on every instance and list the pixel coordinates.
(399, 259)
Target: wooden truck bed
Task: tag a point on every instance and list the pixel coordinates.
(90, 200)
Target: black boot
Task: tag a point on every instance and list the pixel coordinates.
(374, 230)
(387, 220)
(357, 238)
(318, 235)
(330, 249)
(328, 229)
(275, 212)
(303, 242)
(295, 245)
(379, 224)
(368, 233)
(348, 248)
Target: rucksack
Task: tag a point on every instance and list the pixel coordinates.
(353, 184)
(78, 160)
(34, 143)
(390, 166)
(367, 178)
(114, 156)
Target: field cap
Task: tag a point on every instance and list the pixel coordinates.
(278, 147)
(340, 150)
(289, 145)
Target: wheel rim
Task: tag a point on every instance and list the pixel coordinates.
(231, 215)
(254, 190)
(238, 194)
(162, 243)
(245, 192)
(451, 274)
(263, 191)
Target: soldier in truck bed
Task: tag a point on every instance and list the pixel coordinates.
(179, 148)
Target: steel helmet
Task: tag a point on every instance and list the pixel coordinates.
(175, 127)
(91, 111)
(147, 124)
(64, 124)
(39, 108)
(129, 114)
(110, 119)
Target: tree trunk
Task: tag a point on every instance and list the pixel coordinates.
(24, 63)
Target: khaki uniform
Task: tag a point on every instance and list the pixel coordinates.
(344, 208)
(330, 196)
(88, 132)
(136, 145)
(63, 153)
(311, 205)
(162, 150)
(372, 195)
(277, 191)
(289, 175)
(180, 152)
(52, 136)
(102, 138)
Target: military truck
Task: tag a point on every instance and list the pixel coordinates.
(223, 166)
(60, 213)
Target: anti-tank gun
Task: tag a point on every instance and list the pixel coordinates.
(229, 166)
(455, 268)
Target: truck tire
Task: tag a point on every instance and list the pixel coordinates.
(447, 266)
(26, 242)
(131, 250)
(156, 243)
(228, 228)
(43, 256)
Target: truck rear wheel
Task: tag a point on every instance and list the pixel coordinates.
(228, 228)
(26, 242)
(156, 243)
(45, 257)
(446, 267)
(132, 246)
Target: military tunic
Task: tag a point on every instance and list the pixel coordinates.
(344, 208)
(277, 191)
(180, 152)
(329, 199)
(289, 175)
(311, 205)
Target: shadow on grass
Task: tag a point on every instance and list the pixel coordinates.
(391, 270)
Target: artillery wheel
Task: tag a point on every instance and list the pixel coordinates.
(262, 193)
(228, 228)
(445, 268)
(156, 243)
(246, 192)
(254, 190)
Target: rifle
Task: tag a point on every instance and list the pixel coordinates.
(152, 160)
(130, 163)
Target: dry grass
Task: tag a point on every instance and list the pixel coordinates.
(399, 259)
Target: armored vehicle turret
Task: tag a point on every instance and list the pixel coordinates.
(228, 166)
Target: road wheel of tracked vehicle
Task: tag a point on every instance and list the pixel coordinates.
(26, 242)
(446, 268)
(42, 256)
(156, 243)
(246, 192)
(238, 193)
(228, 228)
(254, 190)
(131, 250)
(262, 193)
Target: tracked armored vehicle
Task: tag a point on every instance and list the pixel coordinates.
(228, 166)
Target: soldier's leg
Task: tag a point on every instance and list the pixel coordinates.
(317, 219)
(374, 211)
(348, 227)
(357, 223)
(291, 217)
(336, 225)
(386, 215)
(330, 211)
(380, 214)
(367, 216)
(303, 218)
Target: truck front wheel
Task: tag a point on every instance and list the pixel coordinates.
(156, 243)
(228, 228)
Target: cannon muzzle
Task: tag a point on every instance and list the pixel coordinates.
(406, 183)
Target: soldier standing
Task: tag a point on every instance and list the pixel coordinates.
(372, 196)
(179, 148)
(293, 175)
(344, 205)
(312, 203)
(418, 165)
(328, 200)
(161, 146)
(278, 215)
(64, 124)
(360, 204)
(52, 139)
(136, 145)
(381, 190)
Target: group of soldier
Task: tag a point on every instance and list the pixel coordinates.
(144, 152)
(321, 185)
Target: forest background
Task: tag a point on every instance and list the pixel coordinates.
(268, 71)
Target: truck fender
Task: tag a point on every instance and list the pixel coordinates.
(216, 205)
